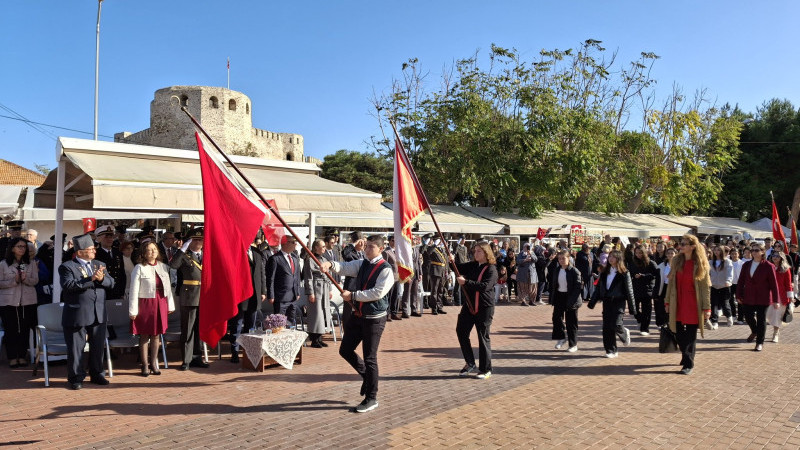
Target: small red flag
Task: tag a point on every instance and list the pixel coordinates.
(541, 233)
(794, 232)
(233, 215)
(89, 224)
(777, 229)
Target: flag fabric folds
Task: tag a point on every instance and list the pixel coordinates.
(794, 232)
(272, 227)
(233, 215)
(408, 205)
(777, 229)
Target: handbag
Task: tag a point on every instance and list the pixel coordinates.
(788, 314)
(667, 341)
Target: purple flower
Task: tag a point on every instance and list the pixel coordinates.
(274, 321)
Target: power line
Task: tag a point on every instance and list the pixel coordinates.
(25, 119)
(29, 122)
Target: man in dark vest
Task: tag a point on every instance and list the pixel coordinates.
(188, 261)
(370, 299)
(84, 282)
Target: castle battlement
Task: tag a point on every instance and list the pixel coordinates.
(225, 114)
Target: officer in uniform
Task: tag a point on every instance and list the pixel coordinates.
(426, 265)
(112, 258)
(438, 272)
(188, 261)
(15, 228)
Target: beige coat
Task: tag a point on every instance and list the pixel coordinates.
(702, 289)
(18, 294)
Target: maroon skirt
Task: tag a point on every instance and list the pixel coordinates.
(152, 318)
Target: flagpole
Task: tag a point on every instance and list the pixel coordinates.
(261, 197)
(229, 72)
(430, 210)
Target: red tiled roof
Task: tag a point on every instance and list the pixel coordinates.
(11, 173)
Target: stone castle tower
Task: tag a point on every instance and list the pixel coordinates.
(226, 116)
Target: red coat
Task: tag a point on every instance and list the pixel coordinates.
(784, 285)
(761, 288)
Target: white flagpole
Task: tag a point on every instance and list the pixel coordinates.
(229, 72)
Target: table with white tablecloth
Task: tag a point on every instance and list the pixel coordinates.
(281, 347)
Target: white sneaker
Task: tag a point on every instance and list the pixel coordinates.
(573, 349)
(709, 325)
(560, 344)
(730, 321)
(714, 326)
(484, 375)
(644, 333)
(611, 355)
(627, 340)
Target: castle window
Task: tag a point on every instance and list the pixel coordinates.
(232, 105)
(213, 102)
(289, 157)
(290, 140)
(247, 108)
(184, 100)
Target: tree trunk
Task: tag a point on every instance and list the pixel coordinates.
(795, 207)
(636, 201)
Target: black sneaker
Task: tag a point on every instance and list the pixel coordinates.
(468, 370)
(367, 405)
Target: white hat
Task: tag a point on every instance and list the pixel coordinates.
(105, 229)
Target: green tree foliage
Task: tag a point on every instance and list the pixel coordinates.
(552, 133)
(365, 170)
(770, 161)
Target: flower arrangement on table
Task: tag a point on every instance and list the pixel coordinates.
(275, 322)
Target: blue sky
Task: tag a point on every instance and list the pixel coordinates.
(311, 67)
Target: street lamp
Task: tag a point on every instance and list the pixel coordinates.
(97, 66)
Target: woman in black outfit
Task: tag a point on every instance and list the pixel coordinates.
(615, 289)
(645, 275)
(478, 278)
(566, 289)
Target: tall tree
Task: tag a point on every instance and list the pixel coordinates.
(365, 170)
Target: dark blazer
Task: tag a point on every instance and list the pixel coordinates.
(283, 285)
(759, 289)
(190, 270)
(584, 262)
(621, 291)
(258, 273)
(349, 253)
(574, 287)
(116, 268)
(649, 279)
(84, 299)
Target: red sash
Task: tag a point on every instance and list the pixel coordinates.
(472, 310)
(358, 312)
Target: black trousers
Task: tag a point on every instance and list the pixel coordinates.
(436, 300)
(687, 342)
(539, 290)
(613, 311)
(359, 330)
(288, 309)
(719, 301)
(190, 336)
(735, 311)
(457, 294)
(645, 306)
(394, 299)
(76, 338)
(17, 323)
(756, 318)
(560, 313)
(248, 320)
(482, 322)
(662, 318)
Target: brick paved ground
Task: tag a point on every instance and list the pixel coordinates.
(538, 397)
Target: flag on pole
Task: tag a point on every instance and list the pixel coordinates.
(272, 227)
(794, 232)
(408, 205)
(777, 229)
(233, 215)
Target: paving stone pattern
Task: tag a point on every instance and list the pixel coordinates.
(538, 397)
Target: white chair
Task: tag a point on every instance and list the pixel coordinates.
(50, 339)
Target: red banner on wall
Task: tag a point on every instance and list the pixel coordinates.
(89, 224)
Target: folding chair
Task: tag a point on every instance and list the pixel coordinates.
(118, 317)
(50, 339)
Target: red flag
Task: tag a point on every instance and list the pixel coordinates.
(89, 225)
(233, 215)
(408, 205)
(794, 232)
(272, 227)
(777, 229)
(541, 233)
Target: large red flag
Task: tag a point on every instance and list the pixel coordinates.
(233, 215)
(777, 229)
(408, 205)
(272, 227)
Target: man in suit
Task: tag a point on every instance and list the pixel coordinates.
(249, 308)
(188, 261)
(460, 255)
(112, 259)
(283, 276)
(353, 251)
(437, 271)
(332, 253)
(84, 282)
(391, 257)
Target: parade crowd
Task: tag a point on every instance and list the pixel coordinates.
(678, 288)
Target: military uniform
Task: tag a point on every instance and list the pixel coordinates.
(190, 265)
(438, 272)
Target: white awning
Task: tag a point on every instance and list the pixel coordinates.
(9, 199)
(345, 220)
(113, 176)
(724, 226)
(455, 219)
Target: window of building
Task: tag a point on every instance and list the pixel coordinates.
(232, 105)
(184, 100)
(213, 102)
(247, 108)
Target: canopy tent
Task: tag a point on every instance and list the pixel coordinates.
(725, 226)
(762, 228)
(347, 220)
(518, 225)
(10, 199)
(455, 219)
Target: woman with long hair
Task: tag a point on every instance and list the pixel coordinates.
(660, 291)
(566, 289)
(149, 303)
(783, 273)
(688, 297)
(18, 301)
(721, 273)
(478, 278)
(757, 289)
(644, 274)
(615, 290)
